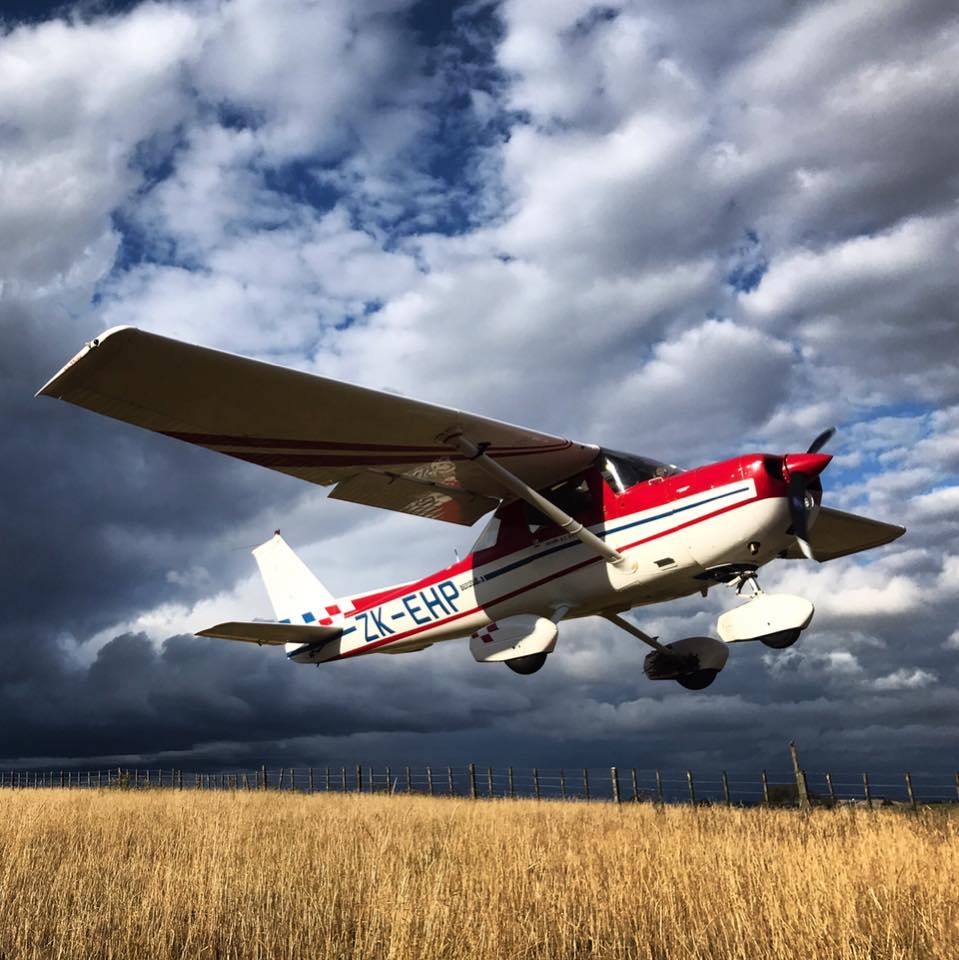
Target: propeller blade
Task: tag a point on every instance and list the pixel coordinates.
(797, 513)
(821, 440)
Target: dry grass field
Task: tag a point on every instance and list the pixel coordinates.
(168, 874)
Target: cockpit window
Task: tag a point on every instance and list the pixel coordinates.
(625, 470)
(571, 496)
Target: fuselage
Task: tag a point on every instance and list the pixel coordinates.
(672, 529)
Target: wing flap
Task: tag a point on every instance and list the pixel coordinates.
(319, 430)
(838, 534)
(417, 497)
(272, 634)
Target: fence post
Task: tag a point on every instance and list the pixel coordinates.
(389, 781)
(829, 787)
(726, 799)
(660, 796)
(765, 781)
(61, 779)
(912, 795)
(866, 789)
(429, 780)
(586, 784)
(536, 782)
(409, 781)
(326, 779)
(489, 783)
(343, 779)
(449, 778)
(957, 786)
(692, 788)
(472, 776)
(634, 784)
(512, 792)
(562, 782)
(800, 775)
(99, 779)
(311, 779)
(370, 779)
(359, 779)
(614, 782)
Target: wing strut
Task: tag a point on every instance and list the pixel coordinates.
(624, 624)
(477, 453)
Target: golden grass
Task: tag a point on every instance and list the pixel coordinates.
(168, 874)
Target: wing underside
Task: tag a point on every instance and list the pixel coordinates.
(373, 447)
(838, 534)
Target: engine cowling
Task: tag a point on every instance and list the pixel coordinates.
(693, 662)
(515, 638)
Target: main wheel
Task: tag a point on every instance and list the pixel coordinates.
(528, 664)
(698, 679)
(782, 639)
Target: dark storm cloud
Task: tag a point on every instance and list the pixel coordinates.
(620, 164)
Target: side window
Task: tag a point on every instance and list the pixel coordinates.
(571, 496)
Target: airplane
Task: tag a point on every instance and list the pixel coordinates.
(576, 530)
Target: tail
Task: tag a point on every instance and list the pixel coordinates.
(297, 596)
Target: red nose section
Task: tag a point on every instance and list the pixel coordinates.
(810, 464)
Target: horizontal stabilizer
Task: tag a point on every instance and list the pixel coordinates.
(838, 534)
(275, 634)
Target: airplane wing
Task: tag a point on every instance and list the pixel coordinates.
(838, 534)
(374, 448)
(273, 634)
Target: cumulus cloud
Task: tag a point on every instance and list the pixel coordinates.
(674, 228)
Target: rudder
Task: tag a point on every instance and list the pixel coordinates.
(295, 592)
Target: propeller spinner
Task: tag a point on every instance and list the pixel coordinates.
(799, 470)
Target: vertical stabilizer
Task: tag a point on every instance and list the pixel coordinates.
(297, 596)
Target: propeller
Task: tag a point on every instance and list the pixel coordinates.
(799, 470)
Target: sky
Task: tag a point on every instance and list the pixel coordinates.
(684, 229)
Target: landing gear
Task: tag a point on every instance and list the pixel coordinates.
(693, 662)
(782, 639)
(698, 679)
(528, 664)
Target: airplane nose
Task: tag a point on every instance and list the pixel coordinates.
(808, 464)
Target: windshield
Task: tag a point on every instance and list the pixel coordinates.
(625, 470)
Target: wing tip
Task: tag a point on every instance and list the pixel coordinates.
(49, 388)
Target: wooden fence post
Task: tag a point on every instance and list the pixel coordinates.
(562, 782)
(311, 780)
(343, 779)
(370, 779)
(326, 779)
(692, 788)
(660, 796)
(409, 781)
(911, 793)
(634, 784)
(61, 779)
(389, 781)
(800, 775)
(726, 798)
(536, 782)
(359, 779)
(829, 787)
(957, 786)
(429, 781)
(449, 779)
(512, 792)
(489, 783)
(614, 783)
(586, 784)
(472, 776)
(866, 789)
(765, 781)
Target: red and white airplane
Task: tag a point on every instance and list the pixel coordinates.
(576, 530)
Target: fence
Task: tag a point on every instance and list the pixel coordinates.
(796, 787)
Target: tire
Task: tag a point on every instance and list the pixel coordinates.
(528, 664)
(781, 640)
(698, 679)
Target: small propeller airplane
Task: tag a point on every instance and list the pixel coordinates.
(576, 530)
